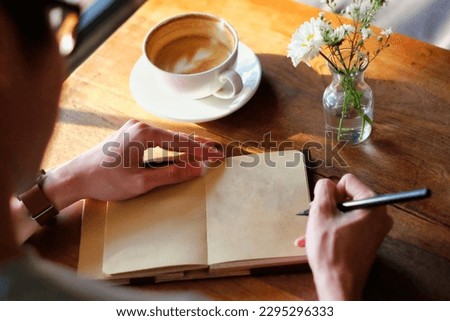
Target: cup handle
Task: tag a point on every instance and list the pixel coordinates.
(232, 84)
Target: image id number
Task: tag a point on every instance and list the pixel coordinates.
(291, 311)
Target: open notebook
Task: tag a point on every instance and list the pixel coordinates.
(237, 217)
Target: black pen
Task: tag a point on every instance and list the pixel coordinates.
(379, 200)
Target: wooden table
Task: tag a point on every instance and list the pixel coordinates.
(408, 148)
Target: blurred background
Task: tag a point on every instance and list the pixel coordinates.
(426, 20)
(98, 22)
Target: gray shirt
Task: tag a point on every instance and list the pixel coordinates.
(30, 278)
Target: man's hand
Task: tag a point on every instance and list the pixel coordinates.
(341, 247)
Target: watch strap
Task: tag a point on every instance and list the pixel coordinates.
(40, 208)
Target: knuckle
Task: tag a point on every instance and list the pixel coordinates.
(325, 183)
(129, 124)
(138, 128)
(138, 131)
(132, 121)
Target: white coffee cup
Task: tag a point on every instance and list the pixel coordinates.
(194, 55)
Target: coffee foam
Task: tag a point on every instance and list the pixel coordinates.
(190, 45)
(203, 56)
(192, 55)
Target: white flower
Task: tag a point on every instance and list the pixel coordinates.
(346, 29)
(338, 34)
(332, 36)
(306, 42)
(366, 33)
(356, 10)
(351, 11)
(387, 32)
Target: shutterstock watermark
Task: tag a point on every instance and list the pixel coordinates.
(130, 153)
(330, 152)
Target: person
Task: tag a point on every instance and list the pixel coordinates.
(341, 248)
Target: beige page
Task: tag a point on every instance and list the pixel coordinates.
(138, 235)
(251, 208)
(250, 201)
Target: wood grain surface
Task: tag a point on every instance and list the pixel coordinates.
(408, 148)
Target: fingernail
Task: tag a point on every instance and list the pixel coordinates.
(300, 242)
(212, 148)
(215, 147)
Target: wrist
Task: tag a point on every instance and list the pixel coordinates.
(40, 209)
(24, 226)
(336, 284)
(62, 187)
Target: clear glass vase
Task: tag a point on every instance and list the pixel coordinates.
(348, 104)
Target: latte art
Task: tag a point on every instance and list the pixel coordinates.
(190, 55)
(194, 55)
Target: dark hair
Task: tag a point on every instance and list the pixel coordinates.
(30, 19)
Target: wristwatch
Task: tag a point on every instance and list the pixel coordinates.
(40, 208)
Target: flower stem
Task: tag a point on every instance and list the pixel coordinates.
(352, 97)
(329, 61)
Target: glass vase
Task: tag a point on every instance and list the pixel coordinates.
(348, 104)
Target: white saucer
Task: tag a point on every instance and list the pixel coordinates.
(149, 96)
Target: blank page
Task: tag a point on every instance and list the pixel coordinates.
(163, 228)
(252, 203)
